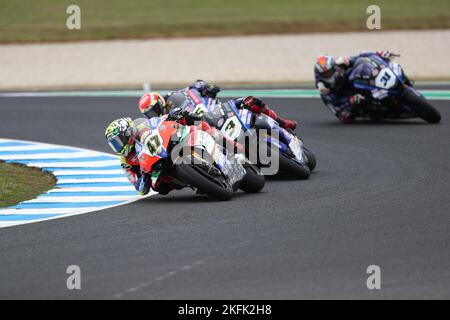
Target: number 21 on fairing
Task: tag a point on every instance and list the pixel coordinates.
(385, 79)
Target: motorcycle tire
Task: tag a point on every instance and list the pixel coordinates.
(424, 109)
(196, 179)
(253, 181)
(311, 161)
(293, 169)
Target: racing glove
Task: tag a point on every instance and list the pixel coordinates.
(323, 90)
(254, 104)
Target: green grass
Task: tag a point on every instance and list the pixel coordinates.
(19, 183)
(45, 20)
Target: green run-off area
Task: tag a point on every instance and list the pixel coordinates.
(45, 20)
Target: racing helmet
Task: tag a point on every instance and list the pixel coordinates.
(200, 85)
(120, 136)
(152, 104)
(177, 100)
(325, 67)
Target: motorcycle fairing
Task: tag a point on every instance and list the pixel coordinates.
(155, 145)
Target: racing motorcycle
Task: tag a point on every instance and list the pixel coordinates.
(294, 158)
(389, 93)
(195, 159)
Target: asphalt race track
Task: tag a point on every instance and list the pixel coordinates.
(379, 196)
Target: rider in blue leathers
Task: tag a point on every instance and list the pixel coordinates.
(150, 106)
(252, 103)
(331, 78)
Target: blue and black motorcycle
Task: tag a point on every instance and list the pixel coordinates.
(389, 93)
(295, 159)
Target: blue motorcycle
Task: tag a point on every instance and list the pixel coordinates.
(389, 93)
(294, 159)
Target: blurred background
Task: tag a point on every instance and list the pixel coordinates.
(44, 20)
(232, 42)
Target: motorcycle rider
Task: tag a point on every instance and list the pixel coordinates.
(331, 77)
(152, 103)
(121, 136)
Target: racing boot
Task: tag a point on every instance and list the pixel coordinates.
(257, 106)
(284, 123)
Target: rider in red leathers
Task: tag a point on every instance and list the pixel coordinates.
(122, 134)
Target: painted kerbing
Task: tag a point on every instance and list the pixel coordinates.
(87, 181)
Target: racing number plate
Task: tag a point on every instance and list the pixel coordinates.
(385, 79)
(153, 143)
(232, 128)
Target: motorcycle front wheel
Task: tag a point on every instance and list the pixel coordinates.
(424, 109)
(196, 177)
(292, 168)
(253, 181)
(311, 161)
